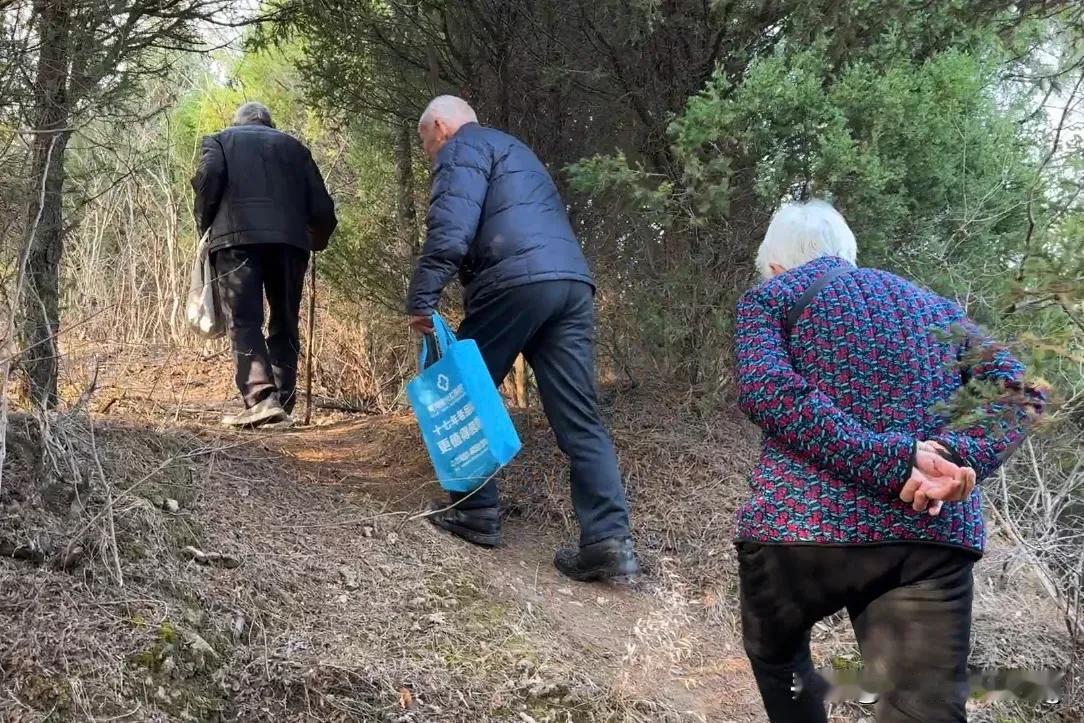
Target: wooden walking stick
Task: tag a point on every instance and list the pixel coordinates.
(308, 344)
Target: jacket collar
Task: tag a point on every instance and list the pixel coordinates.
(466, 126)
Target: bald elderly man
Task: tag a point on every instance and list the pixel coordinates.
(497, 220)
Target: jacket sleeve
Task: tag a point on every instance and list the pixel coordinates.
(1006, 406)
(460, 182)
(790, 409)
(322, 220)
(209, 182)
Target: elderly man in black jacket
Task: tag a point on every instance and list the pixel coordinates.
(496, 219)
(263, 199)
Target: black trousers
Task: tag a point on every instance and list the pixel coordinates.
(552, 324)
(244, 274)
(910, 605)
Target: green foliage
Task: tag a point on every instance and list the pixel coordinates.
(687, 122)
(356, 158)
(268, 76)
(693, 121)
(983, 401)
(934, 161)
(612, 175)
(917, 155)
(370, 259)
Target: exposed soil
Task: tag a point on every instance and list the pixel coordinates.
(332, 600)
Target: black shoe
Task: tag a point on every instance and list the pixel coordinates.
(482, 526)
(288, 402)
(610, 559)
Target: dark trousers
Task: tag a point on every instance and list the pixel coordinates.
(552, 324)
(910, 605)
(264, 365)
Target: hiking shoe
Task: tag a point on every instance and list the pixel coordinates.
(610, 559)
(268, 411)
(287, 422)
(481, 526)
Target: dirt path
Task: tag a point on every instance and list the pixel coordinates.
(342, 608)
(649, 640)
(310, 507)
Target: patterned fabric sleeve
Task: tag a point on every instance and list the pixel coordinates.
(793, 411)
(1004, 421)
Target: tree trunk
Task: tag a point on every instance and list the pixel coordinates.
(44, 242)
(515, 385)
(520, 371)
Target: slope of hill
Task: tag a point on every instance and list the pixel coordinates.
(173, 571)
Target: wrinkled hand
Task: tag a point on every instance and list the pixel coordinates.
(421, 324)
(935, 480)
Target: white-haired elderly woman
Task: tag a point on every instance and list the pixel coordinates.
(863, 495)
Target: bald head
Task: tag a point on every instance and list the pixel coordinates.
(442, 118)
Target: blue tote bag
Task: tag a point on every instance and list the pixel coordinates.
(466, 429)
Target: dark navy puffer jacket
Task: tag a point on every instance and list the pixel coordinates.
(844, 398)
(495, 217)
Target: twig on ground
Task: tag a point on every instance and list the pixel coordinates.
(175, 458)
(108, 487)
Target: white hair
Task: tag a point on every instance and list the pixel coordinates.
(801, 232)
(451, 109)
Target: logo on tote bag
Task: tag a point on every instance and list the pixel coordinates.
(463, 422)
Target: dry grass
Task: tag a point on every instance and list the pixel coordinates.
(341, 611)
(334, 611)
(685, 476)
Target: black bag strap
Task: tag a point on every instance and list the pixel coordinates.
(811, 293)
(432, 350)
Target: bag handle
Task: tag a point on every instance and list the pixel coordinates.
(435, 344)
(202, 244)
(810, 293)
